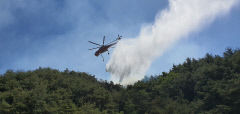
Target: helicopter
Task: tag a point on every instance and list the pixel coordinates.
(104, 47)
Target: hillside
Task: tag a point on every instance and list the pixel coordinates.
(208, 85)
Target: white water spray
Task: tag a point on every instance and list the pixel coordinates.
(132, 57)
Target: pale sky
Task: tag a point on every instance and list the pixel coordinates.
(54, 33)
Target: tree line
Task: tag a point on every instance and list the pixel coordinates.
(210, 85)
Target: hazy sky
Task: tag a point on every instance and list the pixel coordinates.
(54, 33)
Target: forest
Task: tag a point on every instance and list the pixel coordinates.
(209, 85)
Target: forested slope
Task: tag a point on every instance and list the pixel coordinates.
(208, 85)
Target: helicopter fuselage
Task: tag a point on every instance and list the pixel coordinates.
(103, 49)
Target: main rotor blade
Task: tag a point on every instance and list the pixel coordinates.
(94, 43)
(93, 48)
(102, 57)
(103, 39)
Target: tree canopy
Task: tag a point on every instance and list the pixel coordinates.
(208, 85)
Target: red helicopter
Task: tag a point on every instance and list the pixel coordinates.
(104, 47)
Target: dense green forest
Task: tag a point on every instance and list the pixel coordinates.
(210, 85)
